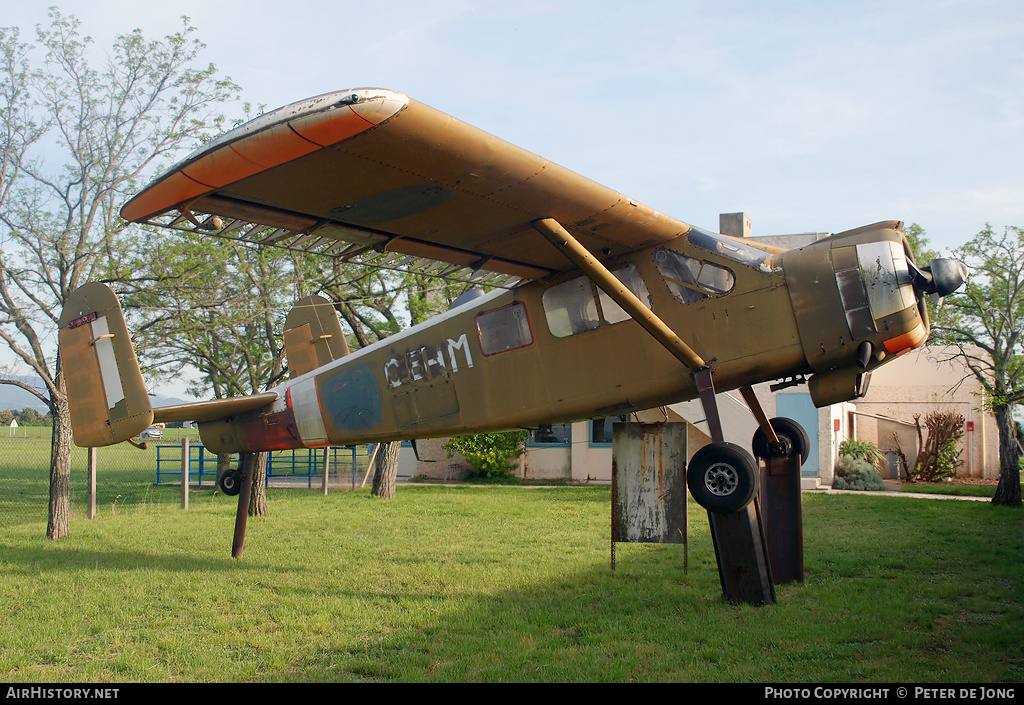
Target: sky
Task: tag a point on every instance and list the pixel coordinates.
(808, 116)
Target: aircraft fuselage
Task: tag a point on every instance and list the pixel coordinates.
(560, 350)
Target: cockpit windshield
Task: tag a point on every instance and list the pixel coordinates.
(726, 247)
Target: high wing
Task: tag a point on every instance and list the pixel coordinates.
(372, 176)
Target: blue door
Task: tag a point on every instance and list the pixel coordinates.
(799, 407)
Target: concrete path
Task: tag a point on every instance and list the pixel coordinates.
(917, 495)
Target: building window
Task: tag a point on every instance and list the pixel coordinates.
(601, 430)
(551, 435)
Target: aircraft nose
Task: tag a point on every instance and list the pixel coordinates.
(942, 276)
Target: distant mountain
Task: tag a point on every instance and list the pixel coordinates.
(14, 398)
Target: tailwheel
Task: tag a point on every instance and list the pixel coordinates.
(722, 477)
(792, 435)
(230, 481)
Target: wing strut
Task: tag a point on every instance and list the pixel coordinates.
(736, 530)
(599, 274)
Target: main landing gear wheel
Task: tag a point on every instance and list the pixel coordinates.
(230, 481)
(722, 477)
(792, 435)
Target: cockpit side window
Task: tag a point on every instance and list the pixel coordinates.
(726, 247)
(691, 280)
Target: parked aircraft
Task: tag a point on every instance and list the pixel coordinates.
(598, 305)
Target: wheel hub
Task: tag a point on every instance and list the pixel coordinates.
(721, 479)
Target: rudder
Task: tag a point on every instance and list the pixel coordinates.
(107, 397)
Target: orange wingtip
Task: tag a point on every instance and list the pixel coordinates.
(268, 141)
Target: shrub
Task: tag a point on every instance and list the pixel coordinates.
(939, 456)
(490, 454)
(862, 450)
(853, 473)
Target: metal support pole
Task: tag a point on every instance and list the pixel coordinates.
(782, 504)
(326, 466)
(242, 514)
(185, 452)
(781, 500)
(92, 483)
(742, 555)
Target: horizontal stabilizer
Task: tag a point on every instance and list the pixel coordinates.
(213, 410)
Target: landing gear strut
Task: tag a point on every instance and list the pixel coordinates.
(723, 478)
(244, 484)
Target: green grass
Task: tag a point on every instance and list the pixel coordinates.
(126, 475)
(502, 584)
(950, 489)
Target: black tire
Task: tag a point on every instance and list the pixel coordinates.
(230, 482)
(799, 442)
(722, 477)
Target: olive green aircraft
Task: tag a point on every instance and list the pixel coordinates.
(597, 305)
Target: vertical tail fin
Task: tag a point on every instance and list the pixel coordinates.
(313, 335)
(106, 394)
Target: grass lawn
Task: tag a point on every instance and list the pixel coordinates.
(951, 489)
(500, 584)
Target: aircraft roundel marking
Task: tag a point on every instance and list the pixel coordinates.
(351, 399)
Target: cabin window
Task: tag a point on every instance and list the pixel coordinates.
(691, 280)
(570, 308)
(726, 247)
(503, 329)
(630, 277)
(551, 435)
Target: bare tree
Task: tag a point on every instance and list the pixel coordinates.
(76, 142)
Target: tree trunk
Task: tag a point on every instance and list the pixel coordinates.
(258, 496)
(1008, 489)
(387, 470)
(223, 463)
(58, 524)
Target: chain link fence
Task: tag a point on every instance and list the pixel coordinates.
(130, 478)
